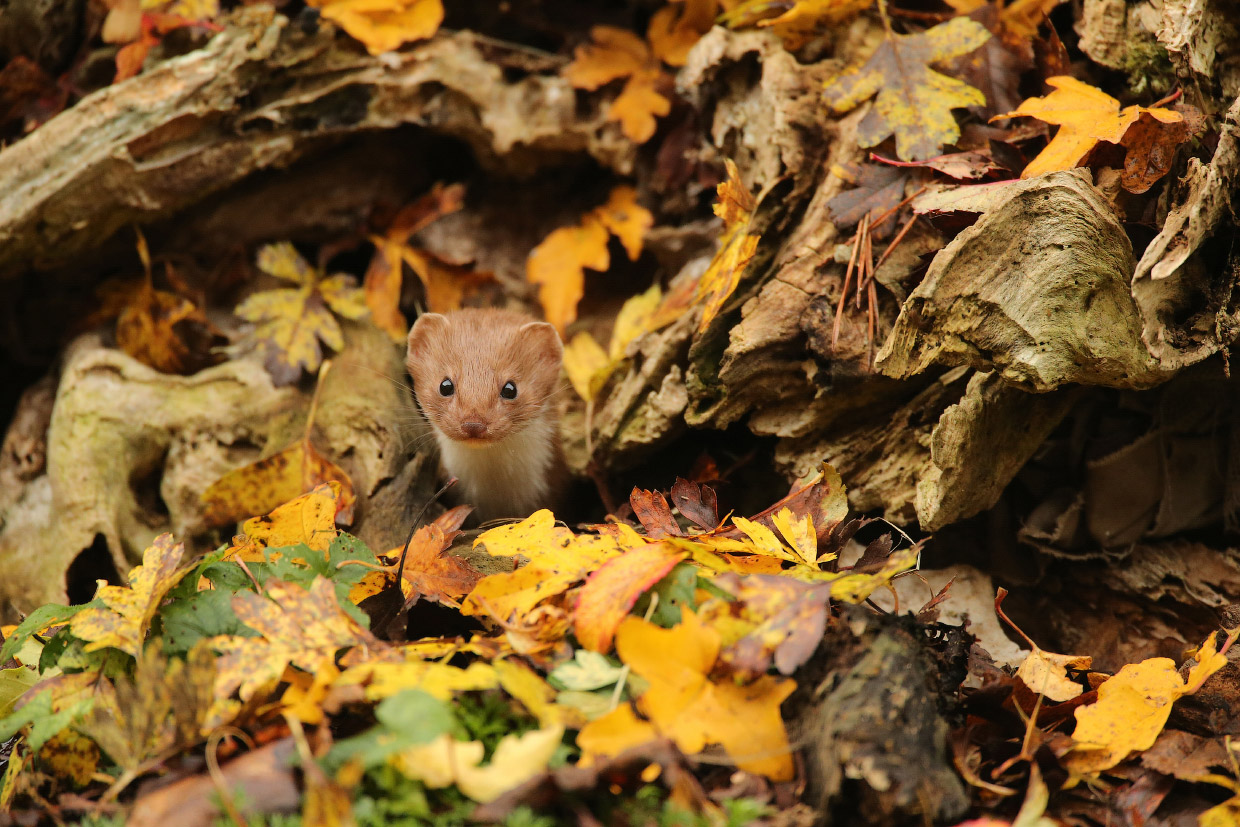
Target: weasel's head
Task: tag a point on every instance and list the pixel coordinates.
(482, 376)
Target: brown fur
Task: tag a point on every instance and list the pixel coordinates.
(506, 452)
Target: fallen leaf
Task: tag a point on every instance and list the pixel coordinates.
(264, 485)
(154, 329)
(559, 262)
(299, 627)
(585, 359)
(123, 624)
(735, 205)
(382, 283)
(431, 572)
(1085, 116)
(786, 621)
(613, 54)
(609, 593)
(697, 502)
(292, 322)
(877, 189)
(558, 559)
(914, 102)
(1046, 674)
(383, 25)
(439, 680)
(653, 512)
(445, 761)
(677, 26)
(796, 22)
(684, 704)
(1132, 708)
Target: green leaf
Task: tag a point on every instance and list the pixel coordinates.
(43, 722)
(40, 618)
(674, 590)
(205, 614)
(587, 670)
(407, 719)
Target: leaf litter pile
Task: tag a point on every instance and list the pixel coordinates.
(939, 294)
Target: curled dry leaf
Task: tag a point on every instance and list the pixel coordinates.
(735, 205)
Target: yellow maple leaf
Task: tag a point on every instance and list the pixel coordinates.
(1132, 708)
(1085, 115)
(683, 703)
(123, 624)
(735, 205)
(913, 101)
(292, 321)
(558, 559)
(304, 628)
(613, 54)
(446, 761)
(383, 25)
(558, 264)
(264, 485)
(635, 319)
(588, 366)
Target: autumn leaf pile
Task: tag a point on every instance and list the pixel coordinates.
(588, 646)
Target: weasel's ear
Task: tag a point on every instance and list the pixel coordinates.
(545, 338)
(426, 326)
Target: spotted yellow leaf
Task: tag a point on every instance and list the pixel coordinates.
(123, 624)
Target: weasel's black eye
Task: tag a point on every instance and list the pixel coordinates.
(446, 388)
(509, 391)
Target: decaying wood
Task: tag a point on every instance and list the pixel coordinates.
(129, 450)
(259, 96)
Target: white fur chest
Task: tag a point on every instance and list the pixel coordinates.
(503, 479)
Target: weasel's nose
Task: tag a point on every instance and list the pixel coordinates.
(474, 430)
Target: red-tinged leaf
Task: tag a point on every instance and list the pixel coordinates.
(129, 58)
(962, 166)
(823, 499)
(431, 573)
(652, 510)
(877, 190)
(697, 503)
(610, 592)
(789, 616)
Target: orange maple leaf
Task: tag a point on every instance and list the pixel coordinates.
(382, 285)
(383, 25)
(558, 264)
(676, 27)
(615, 54)
(1086, 116)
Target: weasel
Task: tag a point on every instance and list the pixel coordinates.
(486, 381)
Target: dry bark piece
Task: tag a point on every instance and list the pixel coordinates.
(980, 443)
(1186, 316)
(261, 95)
(1037, 289)
(878, 725)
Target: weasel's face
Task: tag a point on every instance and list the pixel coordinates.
(482, 375)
